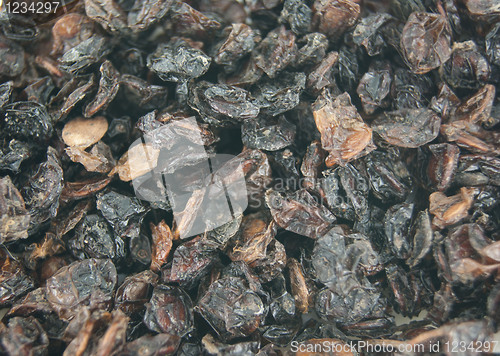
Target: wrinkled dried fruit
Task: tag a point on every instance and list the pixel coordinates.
(425, 41)
(87, 283)
(343, 133)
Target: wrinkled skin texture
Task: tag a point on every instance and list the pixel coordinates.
(299, 213)
(260, 135)
(373, 88)
(349, 297)
(135, 291)
(276, 51)
(343, 133)
(14, 217)
(191, 261)
(25, 336)
(13, 280)
(242, 310)
(219, 104)
(240, 41)
(42, 194)
(162, 243)
(95, 291)
(431, 29)
(280, 94)
(178, 61)
(408, 128)
(333, 17)
(169, 311)
(448, 210)
(28, 120)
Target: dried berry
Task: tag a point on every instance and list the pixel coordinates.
(83, 55)
(261, 134)
(177, 61)
(169, 311)
(94, 239)
(222, 104)
(368, 33)
(299, 212)
(15, 218)
(28, 120)
(192, 261)
(374, 87)
(25, 336)
(334, 17)
(11, 58)
(297, 14)
(280, 94)
(14, 282)
(234, 177)
(276, 51)
(240, 41)
(42, 192)
(408, 128)
(87, 283)
(343, 133)
(144, 14)
(313, 49)
(108, 88)
(467, 67)
(232, 308)
(425, 41)
(162, 244)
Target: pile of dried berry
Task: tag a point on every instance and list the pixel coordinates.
(367, 132)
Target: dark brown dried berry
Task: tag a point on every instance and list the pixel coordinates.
(11, 58)
(442, 164)
(169, 311)
(265, 135)
(314, 46)
(88, 283)
(276, 51)
(240, 41)
(134, 292)
(222, 104)
(28, 120)
(177, 61)
(14, 219)
(191, 261)
(297, 14)
(299, 212)
(425, 41)
(467, 67)
(408, 127)
(189, 21)
(43, 190)
(343, 133)
(83, 55)
(14, 282)
(280, 94)
(95, 239)
(144, 14)
(108, 88)
(24, 337)
(231, 308)
(374, 87)
(334, 17)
